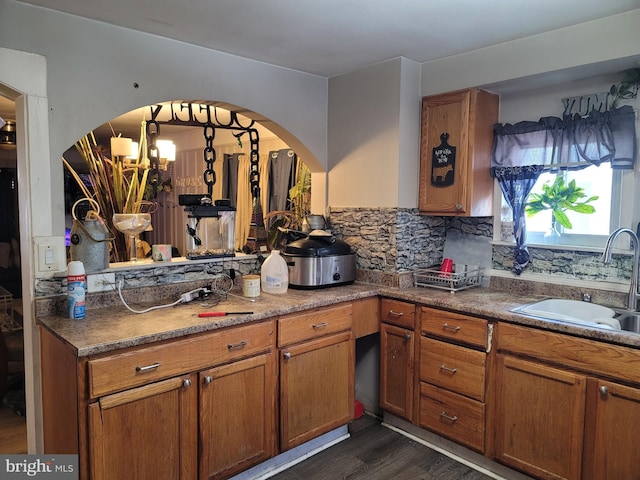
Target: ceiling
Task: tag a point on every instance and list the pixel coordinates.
(331, 37)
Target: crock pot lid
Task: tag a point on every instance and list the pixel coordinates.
(318, 247)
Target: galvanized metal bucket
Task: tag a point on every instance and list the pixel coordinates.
(90, 238)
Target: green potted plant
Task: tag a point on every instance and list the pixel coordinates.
(559, 197)
(627, 88)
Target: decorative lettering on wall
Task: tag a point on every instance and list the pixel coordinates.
(584, 104)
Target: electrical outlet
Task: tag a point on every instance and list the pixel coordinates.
(101, 282)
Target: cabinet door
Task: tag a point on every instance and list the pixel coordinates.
(316, 388)
(617, 423)
(237, 416)
(460, 183)
(442, 114)
(540, 413)
(148, 432)
(397, 346)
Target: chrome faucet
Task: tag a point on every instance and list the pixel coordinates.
(632, 302)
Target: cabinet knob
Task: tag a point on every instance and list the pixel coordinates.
(407, 336)
(287, 356)
(604, 391)
(186, 383)
(207, 379)
(458, 207)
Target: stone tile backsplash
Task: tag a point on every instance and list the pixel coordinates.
(390, 244)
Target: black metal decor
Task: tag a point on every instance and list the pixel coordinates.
(443, 163)
(195, 114)
(189, 113)
(153, 154)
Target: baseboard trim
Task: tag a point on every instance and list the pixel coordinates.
(452, 450)
(294, 456)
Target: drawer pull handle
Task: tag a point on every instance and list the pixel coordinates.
(395, 314)
(446, 326)
(153, 366)
(236, 346)
(451, 419)
(207, 379)
(319, 325)
(447, 369)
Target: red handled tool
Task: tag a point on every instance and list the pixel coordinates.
(222, 314)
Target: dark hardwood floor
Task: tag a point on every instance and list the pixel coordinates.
(375, 452)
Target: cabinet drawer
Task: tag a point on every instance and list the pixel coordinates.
(454, 326)
(317, 323)
(579, 353)
(398, 313)
(453, 416)
(453, 367)
(152, 363)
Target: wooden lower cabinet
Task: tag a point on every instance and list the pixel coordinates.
(452, 415)
(237, 416)
(453, 376)
(148, 432)
(317, 387)
(541, 419)
(397, 357)
(612, 427)
(208, 426)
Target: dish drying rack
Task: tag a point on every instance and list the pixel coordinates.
(468, 276)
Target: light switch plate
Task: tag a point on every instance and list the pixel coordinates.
(51, 253)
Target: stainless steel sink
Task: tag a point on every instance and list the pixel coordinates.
(629, 321)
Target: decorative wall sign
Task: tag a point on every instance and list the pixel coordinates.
(443, 163)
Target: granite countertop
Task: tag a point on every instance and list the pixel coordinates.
(112, 328)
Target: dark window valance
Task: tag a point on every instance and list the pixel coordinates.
(569, 142)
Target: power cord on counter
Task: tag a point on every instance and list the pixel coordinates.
(221, 287)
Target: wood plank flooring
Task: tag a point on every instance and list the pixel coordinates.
(374, 452)
(13, 432)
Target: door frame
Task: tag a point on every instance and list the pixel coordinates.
(25, 82)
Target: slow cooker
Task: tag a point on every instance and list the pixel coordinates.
(319, 260)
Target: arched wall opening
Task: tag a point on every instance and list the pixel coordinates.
(187, 124)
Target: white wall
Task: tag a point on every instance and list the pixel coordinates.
(92, 68)
(559, 51)
(370, 137)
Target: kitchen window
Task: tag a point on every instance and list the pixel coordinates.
(588, 230)
(588, 149)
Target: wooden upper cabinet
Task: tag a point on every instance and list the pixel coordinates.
(455, 153)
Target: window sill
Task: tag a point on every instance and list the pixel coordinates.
(547, 246)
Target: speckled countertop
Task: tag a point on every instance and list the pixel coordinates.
(111, 328)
